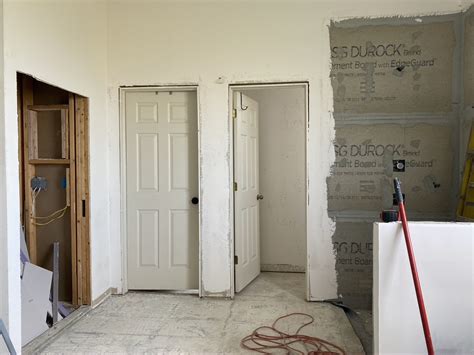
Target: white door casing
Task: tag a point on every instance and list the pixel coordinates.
(161, 180)
(246, 178)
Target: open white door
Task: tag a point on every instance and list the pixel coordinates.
(246, 187)
(162, 190)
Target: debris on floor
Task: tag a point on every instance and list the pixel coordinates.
(37, 297)
(35, 304)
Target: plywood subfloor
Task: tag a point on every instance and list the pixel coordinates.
(155, 322)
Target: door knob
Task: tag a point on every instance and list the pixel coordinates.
(194, 200)
(259, 197)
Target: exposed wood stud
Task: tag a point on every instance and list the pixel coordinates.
(21, 147)
(79, 172)
(82, 146)
(64, 134)
(50, 161)
(29, 169)
(72, 199)
(48, 107)
(33, 133)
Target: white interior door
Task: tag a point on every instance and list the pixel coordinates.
(162, 180)
(246, 195)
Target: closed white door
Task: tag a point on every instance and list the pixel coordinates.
(246, 187)
(162, 188)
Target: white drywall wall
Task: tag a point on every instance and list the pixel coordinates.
(6, 277)
(164, 42)
(62, 43)
(282, 131)
(444, 255)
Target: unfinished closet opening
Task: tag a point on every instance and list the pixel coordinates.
(269, 152)
(54, 175)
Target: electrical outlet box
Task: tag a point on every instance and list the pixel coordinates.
(39, 183)
(399, 165)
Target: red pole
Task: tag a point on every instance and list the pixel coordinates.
(414, 271)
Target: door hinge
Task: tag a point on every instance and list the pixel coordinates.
(236, 259)
(234, 113)
(235, 186)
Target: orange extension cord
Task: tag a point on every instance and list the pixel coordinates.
(274, 339)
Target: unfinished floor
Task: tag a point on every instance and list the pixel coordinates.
(151, 322)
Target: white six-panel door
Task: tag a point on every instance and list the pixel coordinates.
(246, 177)
(162, 179)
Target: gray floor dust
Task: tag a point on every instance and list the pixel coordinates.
(153, 322)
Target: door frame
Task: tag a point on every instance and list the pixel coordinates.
(123, 90)
(266, 85)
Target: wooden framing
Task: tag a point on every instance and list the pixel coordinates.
(75, 159)
(20, 149)
(28, 169)
(82, 182)
(50, 161)
(33, 130)
(72, 201)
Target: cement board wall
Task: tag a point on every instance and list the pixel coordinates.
(396, 85)
(353, 247)
(367, 157)
(469, 58)
(393, 69)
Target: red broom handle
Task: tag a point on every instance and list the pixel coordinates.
(414, 271)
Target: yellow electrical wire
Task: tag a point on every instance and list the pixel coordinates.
(54, 219)
(53, 216)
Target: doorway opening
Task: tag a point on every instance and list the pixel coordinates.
(53, 130)
(269, 175)
(160, 188)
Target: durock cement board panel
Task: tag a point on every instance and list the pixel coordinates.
(469, 58)
(393, 69)
(368, 157)
(353, 249)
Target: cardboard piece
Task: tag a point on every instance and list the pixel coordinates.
(392, 69)
(35, 291)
